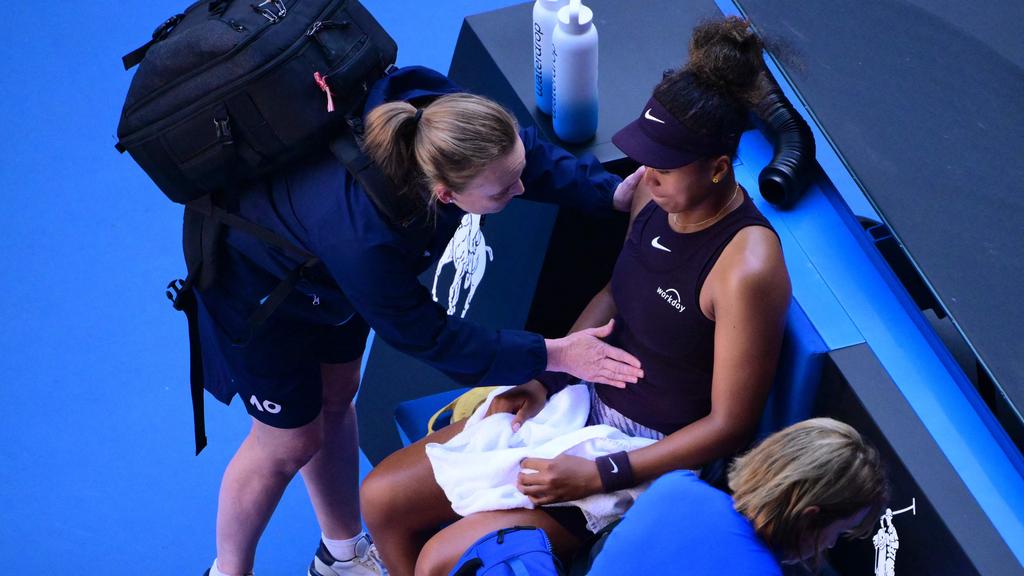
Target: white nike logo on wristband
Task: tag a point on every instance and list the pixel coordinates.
(615, 468)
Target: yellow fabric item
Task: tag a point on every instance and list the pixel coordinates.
(462, 407)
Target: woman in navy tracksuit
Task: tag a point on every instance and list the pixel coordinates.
(447, 154)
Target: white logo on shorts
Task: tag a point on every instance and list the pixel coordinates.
(265, 405)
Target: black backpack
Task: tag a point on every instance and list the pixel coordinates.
(232, 90)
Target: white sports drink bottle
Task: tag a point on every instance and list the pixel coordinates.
(574, 107)
(545, 20)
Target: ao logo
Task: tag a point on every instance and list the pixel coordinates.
(264, 406)
(469, 253)
(887, 542)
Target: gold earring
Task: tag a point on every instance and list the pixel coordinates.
(714, 180)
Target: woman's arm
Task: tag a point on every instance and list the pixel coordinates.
(385, 291)
(553, 175)
(750, 298)
(750, 303)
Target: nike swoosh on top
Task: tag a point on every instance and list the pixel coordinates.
(658, 245)
(651, 117)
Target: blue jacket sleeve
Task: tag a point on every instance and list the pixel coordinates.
(555, 176)
(385, 291)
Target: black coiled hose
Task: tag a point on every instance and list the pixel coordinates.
(786, 177)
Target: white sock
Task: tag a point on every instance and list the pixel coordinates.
(215, 572)
(342, 549)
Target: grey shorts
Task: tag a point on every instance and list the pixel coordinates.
(601, 413)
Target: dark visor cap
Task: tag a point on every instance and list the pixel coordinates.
(657, 140)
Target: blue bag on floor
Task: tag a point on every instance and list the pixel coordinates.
(516, 551)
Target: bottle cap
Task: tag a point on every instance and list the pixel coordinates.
(576, 17)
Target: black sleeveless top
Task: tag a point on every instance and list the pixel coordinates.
(656, 285)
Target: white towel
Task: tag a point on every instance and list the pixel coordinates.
(477, 468)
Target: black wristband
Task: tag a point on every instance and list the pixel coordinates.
(615, 471)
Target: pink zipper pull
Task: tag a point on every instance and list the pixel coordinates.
(321, 81)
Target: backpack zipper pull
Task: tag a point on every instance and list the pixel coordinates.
(321, 25)
(321, 81)
(325, 25)
(267, 12)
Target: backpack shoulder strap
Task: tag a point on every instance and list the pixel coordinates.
(204, 221)
(216, 215)
(377, 186)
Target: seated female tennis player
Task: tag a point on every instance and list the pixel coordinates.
(699, 294)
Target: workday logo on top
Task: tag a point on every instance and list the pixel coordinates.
(672, 297)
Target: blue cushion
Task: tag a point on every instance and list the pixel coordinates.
(798, 375)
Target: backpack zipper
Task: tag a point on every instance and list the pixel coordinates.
(326, 25)
(269, 14)
(321, 25)
(238, 47)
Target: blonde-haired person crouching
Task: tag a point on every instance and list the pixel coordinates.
(808, 484)
(793, 496)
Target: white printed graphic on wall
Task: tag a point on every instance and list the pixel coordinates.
(887, 542)
(468, 253)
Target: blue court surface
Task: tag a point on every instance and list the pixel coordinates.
(97, 467)
(97, 471)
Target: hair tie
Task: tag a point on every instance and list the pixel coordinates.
(419, 114)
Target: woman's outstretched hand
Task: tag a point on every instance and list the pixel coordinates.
(525, 401)
(586, 356)
(623, 197)
(560, 479)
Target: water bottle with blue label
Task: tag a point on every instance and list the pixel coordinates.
(545, 20)
(574, 74)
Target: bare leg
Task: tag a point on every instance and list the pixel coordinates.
(332, 475)
(403, 505)
(252, 486)
(441, 552)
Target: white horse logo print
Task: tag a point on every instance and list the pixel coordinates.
(468, 252)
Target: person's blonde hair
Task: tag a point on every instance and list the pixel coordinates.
(820, 462)
(454, 139)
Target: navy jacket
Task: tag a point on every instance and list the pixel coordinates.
(372, 267)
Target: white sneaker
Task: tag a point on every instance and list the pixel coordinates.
(366, 562)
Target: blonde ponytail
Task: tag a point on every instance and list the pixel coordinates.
(448, 143)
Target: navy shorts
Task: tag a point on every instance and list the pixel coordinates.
(276, 371)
